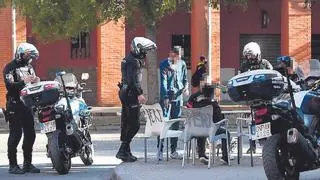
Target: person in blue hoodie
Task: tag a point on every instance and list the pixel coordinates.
(173, 85)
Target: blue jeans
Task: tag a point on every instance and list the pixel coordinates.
(174, 113)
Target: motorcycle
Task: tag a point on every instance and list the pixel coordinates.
(64, 117)
(292, 133)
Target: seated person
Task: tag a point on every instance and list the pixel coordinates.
(203, 98)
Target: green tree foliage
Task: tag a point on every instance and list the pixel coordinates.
(58, 19)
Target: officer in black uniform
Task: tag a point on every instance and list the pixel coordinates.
(131, 94)
(17, 74)
(253, 61)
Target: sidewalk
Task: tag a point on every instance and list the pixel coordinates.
(172, 169)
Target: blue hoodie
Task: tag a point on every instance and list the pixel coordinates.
(171, 80)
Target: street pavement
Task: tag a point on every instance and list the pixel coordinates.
(105, 145)
(106, 166)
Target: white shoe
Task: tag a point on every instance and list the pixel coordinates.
(160, 156)
(204, 160)
(224, 162)
(176, 155)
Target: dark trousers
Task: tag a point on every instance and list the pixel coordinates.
(22, 118)
(129, 122)
(201, 141)
(175, 112)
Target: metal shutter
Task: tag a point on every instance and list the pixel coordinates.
(270, 45)
(315, 46)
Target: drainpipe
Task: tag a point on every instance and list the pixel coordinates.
(209, 43)
(13, 25)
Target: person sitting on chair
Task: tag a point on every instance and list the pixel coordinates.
(202, 98)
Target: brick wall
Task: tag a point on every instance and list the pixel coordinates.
(5, 47)
(215, 45)
(111, 50)
(199, 31)
(296, 29)
(6, 43)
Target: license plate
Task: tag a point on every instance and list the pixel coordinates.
(261, 131)
(47, 127)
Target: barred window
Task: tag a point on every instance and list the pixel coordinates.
(80, 46)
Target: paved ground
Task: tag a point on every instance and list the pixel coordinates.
(106, 145)
(106, 166)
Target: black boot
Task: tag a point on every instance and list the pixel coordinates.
(130, 154)
(15, 169)
(123, 154)
(122, 151)
(27, 166)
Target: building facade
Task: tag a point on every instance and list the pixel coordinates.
(281, 27)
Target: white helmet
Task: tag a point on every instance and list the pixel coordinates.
(140, 46)
(26, 52)
(252, 51)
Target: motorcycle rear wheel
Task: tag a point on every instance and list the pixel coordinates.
(273, 163)
(60, 159)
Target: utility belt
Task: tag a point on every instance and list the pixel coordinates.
(128, 96)
(11, 107)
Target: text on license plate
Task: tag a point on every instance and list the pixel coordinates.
(47, 127)
(261, 131)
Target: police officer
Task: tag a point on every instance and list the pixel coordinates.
(17, 74)
(253, 61)
(131, 94)
(252, 58)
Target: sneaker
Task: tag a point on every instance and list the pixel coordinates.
(253, 151)
(204, 160)
(15, 169)
(176, 155)
(160, 156)
(224, 161)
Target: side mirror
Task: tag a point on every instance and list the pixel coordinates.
(84, 76)
(61, 73)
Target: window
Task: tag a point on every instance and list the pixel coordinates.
(315, 46)
(184, 41)
(80, 46)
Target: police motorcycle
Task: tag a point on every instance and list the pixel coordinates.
(64, 117)
(293, 129)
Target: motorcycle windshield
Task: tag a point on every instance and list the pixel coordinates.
(69, 79)
(307, 68)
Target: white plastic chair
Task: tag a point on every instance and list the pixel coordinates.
(240, 134)
(199, 123)
(157, 125)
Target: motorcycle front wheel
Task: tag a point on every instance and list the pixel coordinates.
(87, 154)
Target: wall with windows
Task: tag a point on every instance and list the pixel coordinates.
(76, 55)
(236, 21)
(64, 54)
(315, 41)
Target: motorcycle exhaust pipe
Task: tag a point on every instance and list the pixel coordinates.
(69, 129)
(301, 144)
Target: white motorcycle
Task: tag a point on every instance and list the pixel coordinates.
(64, 117)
